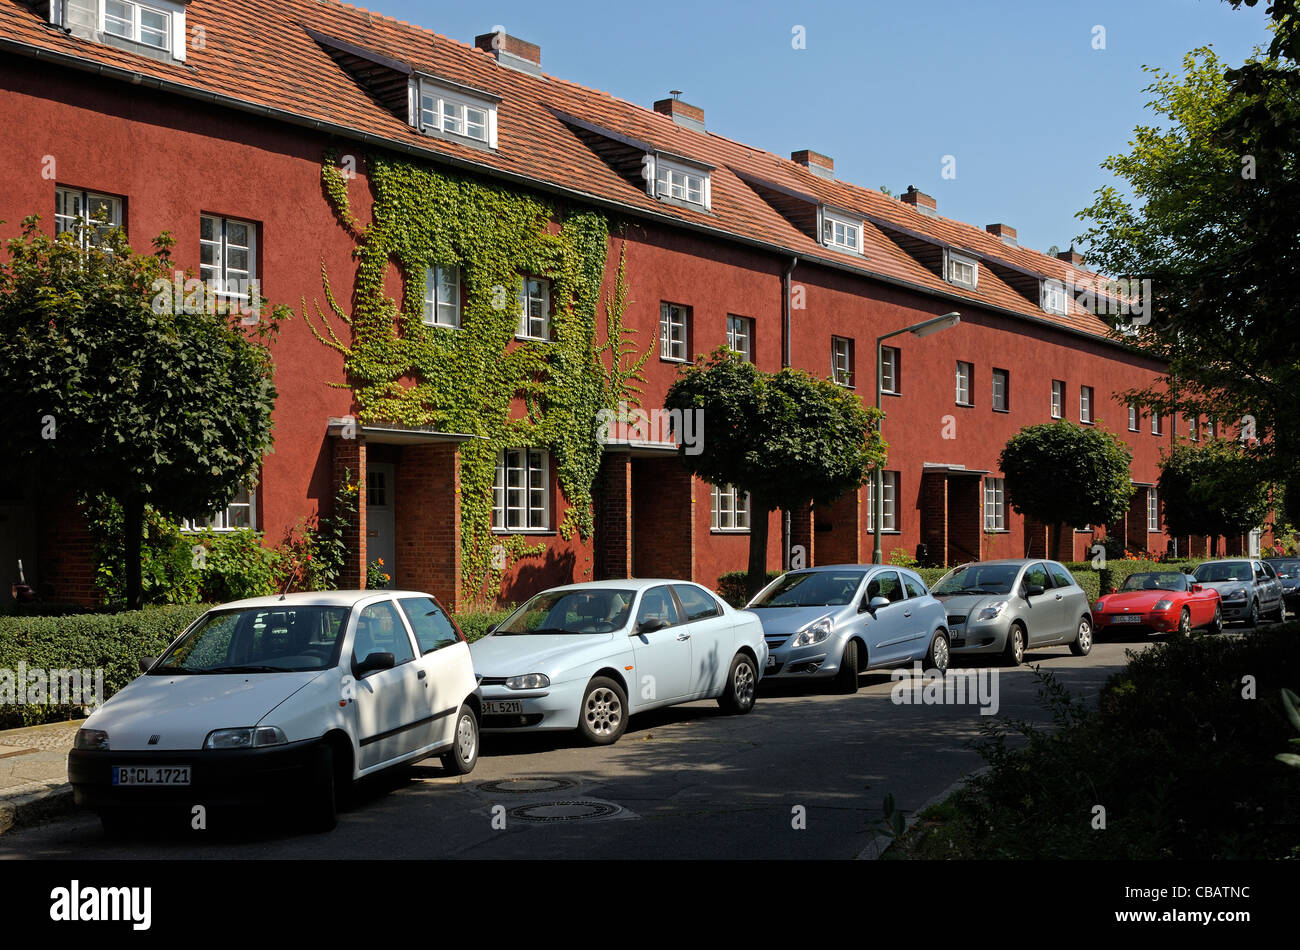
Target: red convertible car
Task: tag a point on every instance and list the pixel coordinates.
(1162, 601)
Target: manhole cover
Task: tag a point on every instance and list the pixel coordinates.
(574, 810)
(519, 786)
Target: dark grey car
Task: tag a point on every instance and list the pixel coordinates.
(1249, 589)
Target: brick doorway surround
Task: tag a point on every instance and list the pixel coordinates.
(951, 504)
(645, 518)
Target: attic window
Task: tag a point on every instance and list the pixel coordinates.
(842, 233)
(962, 270)
(679, 182)
(455, 114)
(154, 28)
(1054, 300)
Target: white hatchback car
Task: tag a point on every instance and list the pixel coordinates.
(587, 656)
(292, 697)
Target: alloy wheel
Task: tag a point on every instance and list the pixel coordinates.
(603, 711)
(743, 685)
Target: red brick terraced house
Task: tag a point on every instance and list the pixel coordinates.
(267, 137)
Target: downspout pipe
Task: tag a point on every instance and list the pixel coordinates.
(785, 361)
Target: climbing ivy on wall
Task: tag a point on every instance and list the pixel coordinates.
(467, 379)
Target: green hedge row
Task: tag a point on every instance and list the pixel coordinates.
(474, 624)
(113, 642)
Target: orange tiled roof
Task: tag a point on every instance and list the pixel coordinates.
(259, 54)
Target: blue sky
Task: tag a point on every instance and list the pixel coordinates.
(1013, 91)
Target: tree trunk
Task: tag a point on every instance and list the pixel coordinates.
(756, 578)
(133, 526)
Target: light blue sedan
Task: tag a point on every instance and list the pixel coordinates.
(588, 656)
(836, 621)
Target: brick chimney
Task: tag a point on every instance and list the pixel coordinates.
(919, 200)
(683, 113)
(511, 51)
(1071, 257)
(1004, 231)
(815, 162)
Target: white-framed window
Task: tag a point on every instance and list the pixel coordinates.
(93, 213)
(1001, 390)
(1157, 423)
(842, 233)
(1058, 398)
(156, 25)
(521, 490)
(452, 112)
(139, 22)
(681, 183)
(1085, 404)
(1194, 427)
(962, 270)
(228, 255)
(1153, 510)
(729, 508)
(442, 296)
(842, 361)
(674, 323)
(888, 497)
(534, 309)
(889, 369)
(1054, 297)
(964, 371)
(995, 504)
(240, 513)
(740, 337)
(1133, 418)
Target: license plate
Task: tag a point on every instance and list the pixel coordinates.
(771, 662)
(502, 707)
(1128, 618)
(151, 775)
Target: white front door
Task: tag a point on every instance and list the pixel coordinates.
(380, 522)
(1255, 535)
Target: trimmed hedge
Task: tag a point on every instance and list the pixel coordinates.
(113, 642)
(474, 624)
(731, 586)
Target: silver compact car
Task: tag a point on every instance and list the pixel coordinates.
(837, 621)
(1008, 607)
(1249, 588)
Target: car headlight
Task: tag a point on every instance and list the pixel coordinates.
(1236, 594)
(993, 611)
(1099, 606)
(245, 737)
(814, 634)
(1163, 604)
(94, 740)
(528, 681)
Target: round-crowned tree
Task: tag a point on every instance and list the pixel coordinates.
(1213, 489)
(788, 439)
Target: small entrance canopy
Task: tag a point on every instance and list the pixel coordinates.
(388, 433)
(943, 468)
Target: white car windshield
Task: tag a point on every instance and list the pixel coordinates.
(811, 589)
(595, 610)
(259, 640)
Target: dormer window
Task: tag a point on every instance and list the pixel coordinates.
(962, 271)
(1054, 299)
(676, 181)
(842, 233)
(457, 113)
(154, 28)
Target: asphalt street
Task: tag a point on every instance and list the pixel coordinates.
(802, 776)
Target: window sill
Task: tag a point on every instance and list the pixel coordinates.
(997, 530)
(728, 531)
(1086, 422)
(683, 203)
(436, 133)
(1005, 412)
(885, 531)
(442, 326)
(535, 531)
(842, 249)
(533, 339)
(890, 392)
(964, 405)
(843, 385)
(674, 359)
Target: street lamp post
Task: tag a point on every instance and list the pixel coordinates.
(924, 328)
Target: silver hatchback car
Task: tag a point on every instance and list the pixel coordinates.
(1011, 606)
(840, 620)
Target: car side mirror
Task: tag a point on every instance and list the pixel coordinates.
(651, 624)
(1033, 590)
(376, 661)
(1197, 588)
(878, 602)
(147, 662)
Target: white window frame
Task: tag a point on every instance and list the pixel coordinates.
(1054, 298)
(438, 109)
(1058, 398)
(523, 507)
(888, 506)
(674, 333)
(527, 322)
(841, 232)
(220, 270)
(1134, 419)
(1157, 423)
(954, 259)
(94, 232)
(729, 509)
(842, 361)
(435, 308)
(1194, 427)
(963, 383)
(1153, 510)
(677, 181)
(889, 381)
(1005, 376)
(174, 32)
(222, 521)
(740, 336)
(1085, 404)
(995, 503)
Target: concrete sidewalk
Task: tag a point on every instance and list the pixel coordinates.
(34, 773)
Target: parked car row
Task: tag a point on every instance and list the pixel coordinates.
(257, 695)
